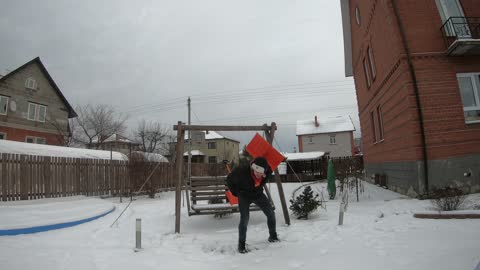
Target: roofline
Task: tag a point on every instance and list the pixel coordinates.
(347, 37)
(71, 111)
(329, 132)
(224, 138)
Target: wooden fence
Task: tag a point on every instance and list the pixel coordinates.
(25, 177)
(317, 169)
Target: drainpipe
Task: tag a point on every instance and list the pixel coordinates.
(415, 88)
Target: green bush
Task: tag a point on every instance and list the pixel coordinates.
(305, 203)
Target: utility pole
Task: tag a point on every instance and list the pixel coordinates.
(189, 168)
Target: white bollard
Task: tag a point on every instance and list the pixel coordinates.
(138, 234)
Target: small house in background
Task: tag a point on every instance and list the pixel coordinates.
(116, 142)
(332, 135)
(32, 107)
(212, 147)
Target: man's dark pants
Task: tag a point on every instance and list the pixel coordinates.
(244, 208)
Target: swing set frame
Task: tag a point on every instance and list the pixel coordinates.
(181, 128)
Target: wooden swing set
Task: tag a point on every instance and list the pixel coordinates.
(210, 188)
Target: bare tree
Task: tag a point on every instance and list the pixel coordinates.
(153, 137)
(96, 123)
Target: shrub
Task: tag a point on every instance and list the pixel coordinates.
(305, 203)
(447, 198)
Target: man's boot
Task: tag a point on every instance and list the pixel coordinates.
(241, 247)
(273, 237)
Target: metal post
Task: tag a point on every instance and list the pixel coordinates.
(340, 215)
(138, 234)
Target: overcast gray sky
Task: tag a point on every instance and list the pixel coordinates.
(241, 62)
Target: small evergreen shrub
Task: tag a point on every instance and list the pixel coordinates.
(305, 203)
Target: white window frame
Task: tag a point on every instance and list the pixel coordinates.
(445, 14)
(334, 141)
(374, 124)
(475, 79)
(366, 69)
(6, 105)
(380, 123)
(36, 112)
(4, 135)
(310, 139)
(31, 83)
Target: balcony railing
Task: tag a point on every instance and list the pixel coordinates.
(462, 35)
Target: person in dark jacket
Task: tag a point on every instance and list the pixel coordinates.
(247, 184)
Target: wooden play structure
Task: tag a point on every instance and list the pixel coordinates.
(208, 188)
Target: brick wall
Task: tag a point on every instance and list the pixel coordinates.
(447, 135)
(20, 135)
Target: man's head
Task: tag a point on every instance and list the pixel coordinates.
(260, 167)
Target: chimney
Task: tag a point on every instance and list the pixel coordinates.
(316, 121)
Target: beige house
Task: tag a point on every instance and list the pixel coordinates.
(332, 135)
(212, 147)
(32, 107)
(116, 142)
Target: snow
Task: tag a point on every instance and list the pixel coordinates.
(379, 232)
(211, 135)
(194, 153)
(13, 147)
(152, 156)
(303, 156)
(326, 125)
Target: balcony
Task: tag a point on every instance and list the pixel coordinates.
(462, 35)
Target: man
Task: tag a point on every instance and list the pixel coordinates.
(247, 184)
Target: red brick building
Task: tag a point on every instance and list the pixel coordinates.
(32, 107)
(416, 66)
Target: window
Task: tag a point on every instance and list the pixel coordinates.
(3, 105)
(357, 15)
(332, 139)
(310, 139)
(451, 10)
(212, 159)
(31, 83)
(380, 123)
(469, 84)
(212, 145)
(36, 112)
(367, 72)
(3, 136)
(372, 63)
(37, 140)
(374, 129)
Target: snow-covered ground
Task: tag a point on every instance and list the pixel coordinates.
(379, 232)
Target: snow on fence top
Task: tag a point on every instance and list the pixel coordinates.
(12, 147)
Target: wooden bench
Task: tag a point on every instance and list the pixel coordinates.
(207, 195)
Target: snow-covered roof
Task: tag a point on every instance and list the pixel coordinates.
(325, 125)
(303, 156)
(212, 135)
(13, 147)
(152, 156)
(115, 138)
(194, 153)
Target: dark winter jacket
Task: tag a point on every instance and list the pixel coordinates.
(240, 182)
